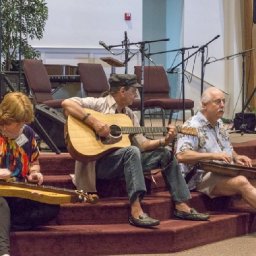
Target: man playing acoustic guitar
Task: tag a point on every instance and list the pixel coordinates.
(213, 144)
(19, 162)
(129, 162)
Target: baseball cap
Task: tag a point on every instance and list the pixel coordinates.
(116, 80)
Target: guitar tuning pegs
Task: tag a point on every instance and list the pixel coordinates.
(91, 198)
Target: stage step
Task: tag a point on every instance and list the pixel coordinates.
(103, 229)
(117, 239)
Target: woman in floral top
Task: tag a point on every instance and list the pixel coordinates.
(19, 162)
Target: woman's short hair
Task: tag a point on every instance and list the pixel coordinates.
(16, 107)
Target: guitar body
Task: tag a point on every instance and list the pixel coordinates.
(82, 142)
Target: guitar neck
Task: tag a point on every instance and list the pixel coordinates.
(136, 130)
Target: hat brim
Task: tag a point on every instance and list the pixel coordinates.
(137, 85)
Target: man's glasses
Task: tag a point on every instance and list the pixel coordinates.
(219, 101)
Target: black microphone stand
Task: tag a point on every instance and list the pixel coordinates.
(143, 54)
(182, 72)
(244, 105)
(126, 47)
(249, 99)
(202, 50)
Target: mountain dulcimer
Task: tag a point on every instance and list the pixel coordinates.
(44, 194)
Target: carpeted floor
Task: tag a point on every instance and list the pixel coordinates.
(238, 246)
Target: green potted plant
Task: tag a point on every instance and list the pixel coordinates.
(21, 20)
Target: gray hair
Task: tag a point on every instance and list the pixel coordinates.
(207, 95)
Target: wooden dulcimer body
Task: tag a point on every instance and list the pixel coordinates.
(232, 170)
(44, 194)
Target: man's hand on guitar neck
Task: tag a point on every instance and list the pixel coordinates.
(171, 135)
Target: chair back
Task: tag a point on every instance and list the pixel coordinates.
(156, 84)
(93, 78)
(38, 80)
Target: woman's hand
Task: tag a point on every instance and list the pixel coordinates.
(36, 177)
(5, 174)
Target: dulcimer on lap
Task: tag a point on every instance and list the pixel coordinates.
(232, 170)
(44, 194)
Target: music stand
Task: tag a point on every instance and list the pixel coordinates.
(113, 63)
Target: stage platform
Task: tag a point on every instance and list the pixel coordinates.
(102, 229)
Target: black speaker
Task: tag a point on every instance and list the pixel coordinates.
(245, 122)
(50, 126)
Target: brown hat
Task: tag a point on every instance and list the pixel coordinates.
(116, 80)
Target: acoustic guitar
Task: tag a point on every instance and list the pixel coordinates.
(85, 145)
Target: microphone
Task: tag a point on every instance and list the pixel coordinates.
(104, 45)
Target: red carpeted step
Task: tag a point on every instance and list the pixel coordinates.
(59, 181)
(117, 210)
(112, 210)
(246, 148)
(103, 229)
(111, 239)
(53, 164)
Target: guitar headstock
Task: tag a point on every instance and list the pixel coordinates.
(85, 197)
(186, 130)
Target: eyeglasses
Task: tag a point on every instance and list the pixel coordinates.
(219, 101)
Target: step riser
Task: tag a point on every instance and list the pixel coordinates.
(108, 211)
(126, 239)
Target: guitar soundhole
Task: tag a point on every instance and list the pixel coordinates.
(115, 130)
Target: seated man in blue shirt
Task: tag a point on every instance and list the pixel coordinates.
(213, 144)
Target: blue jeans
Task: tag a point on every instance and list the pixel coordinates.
(131, 164)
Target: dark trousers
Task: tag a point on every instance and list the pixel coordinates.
(22, 214)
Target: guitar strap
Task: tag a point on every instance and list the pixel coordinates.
(191, 174)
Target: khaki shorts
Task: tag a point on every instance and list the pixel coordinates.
(208, 183)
